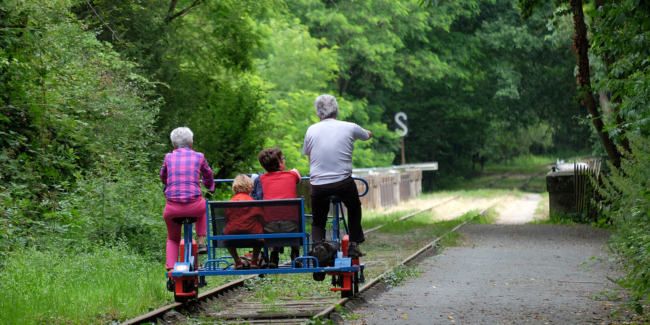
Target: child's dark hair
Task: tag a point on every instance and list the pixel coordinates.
(270, 159)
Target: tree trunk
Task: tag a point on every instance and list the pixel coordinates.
(581, 46)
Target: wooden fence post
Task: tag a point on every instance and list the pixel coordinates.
(375, 190)
(396, 180)
(413, 181)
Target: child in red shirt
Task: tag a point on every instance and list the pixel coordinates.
(244, 221)
(279, 184)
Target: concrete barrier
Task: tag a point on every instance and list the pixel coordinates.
(561, 191)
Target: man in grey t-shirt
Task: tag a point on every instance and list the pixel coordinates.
(329, 145)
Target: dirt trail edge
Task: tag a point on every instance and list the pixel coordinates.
(505, 274)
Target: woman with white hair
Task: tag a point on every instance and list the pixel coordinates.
(181, 174)
(329, 145)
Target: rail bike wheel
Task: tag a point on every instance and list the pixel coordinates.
(354, 288)
(188, 286)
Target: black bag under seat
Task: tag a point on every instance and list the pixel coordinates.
(325, 253)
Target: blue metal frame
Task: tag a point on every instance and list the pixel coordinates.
(213, 264)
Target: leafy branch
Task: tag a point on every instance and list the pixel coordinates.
(172, 7)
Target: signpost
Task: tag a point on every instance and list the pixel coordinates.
(402, 129)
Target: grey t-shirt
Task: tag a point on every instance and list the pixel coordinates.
(329, 145)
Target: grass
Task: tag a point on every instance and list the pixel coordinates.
(400, 273)
(517, 169)
(492, 175)
(524, 164)
(536, 184)
(554, 219)
(51, 287)
(423, 224)
(489, 217)
(373, 219)
(107, 285)
(271, 288)
(480, 180)
(509, 183)
(413, 233)
(482, 193)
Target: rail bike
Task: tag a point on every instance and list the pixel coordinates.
(188, 275)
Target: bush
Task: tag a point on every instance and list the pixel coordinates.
(71, 111)
(126, 207)
(627, 193)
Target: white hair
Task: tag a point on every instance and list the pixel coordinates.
(182, 137)
(326, 107)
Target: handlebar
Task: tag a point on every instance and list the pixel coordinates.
(304, 179)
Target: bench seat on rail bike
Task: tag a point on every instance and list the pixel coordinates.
(219, 261)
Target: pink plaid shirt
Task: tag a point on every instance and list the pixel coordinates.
(181, 173)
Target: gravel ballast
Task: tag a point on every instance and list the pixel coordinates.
(505, 274)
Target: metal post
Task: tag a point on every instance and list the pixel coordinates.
(207, 227)
(305, 244)
(335, 223)
(403, 157)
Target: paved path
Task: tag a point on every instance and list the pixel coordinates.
(504, 274)
(520, 210)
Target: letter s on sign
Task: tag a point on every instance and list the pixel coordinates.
(401, 124)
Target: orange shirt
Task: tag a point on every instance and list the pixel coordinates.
(245, 220)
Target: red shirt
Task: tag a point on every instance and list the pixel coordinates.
(280, 185)
(245, 220)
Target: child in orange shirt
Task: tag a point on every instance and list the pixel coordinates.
(244, 221)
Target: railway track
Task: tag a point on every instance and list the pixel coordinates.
(293, 312)
(299, 312)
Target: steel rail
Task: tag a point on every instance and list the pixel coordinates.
(412, 214)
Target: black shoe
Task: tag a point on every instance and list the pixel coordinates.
(203, 249)
(274, 260)
(171, 285)
(354, 251)
(295, 254)
(319, 276)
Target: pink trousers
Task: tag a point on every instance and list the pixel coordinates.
(174, 229)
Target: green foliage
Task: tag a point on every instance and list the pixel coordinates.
(400, 273)
(319, 321)
(372, 219)
(621, 30)
(627, 204)
(298, 68)
(85, 287)
(202, 62)
(70, 107)
(270, 289)
(508, 93)
(122, 207)
(560, 219)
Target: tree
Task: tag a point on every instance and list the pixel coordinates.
(200, 53)
(581, 50)
(70, 107)
(298, 68)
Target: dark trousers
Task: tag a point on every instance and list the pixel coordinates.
(320, 204)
